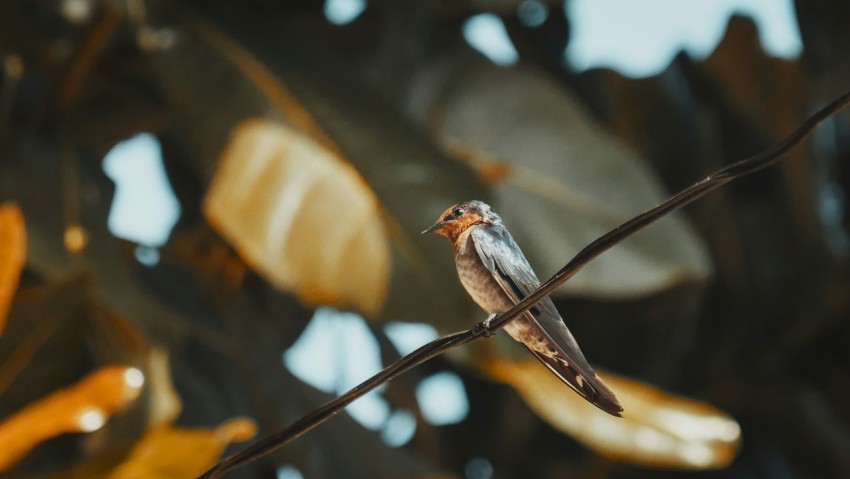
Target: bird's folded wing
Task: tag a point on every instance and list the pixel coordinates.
(505, 261)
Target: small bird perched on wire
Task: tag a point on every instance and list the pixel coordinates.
(496, 274)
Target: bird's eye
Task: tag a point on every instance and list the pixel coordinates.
(457, 213)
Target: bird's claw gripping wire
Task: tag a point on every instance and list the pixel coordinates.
(483, 328)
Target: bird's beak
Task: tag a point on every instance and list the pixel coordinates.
(434, 229)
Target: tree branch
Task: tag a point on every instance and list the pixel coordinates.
(483, 329)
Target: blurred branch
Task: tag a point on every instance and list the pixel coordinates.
(93, 44)
(487, 328)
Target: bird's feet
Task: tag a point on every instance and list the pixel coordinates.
(483, 328)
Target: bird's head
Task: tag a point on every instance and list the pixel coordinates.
(459, 217)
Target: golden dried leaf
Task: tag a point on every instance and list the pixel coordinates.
(657, 429)
(82, 407)
(13, 246)
(168, 452)
(301, 216)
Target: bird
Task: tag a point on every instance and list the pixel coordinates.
(496, 274)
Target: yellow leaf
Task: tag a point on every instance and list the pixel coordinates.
(657, 429)
(168, 452)
(82, 407)
(301, 216)
(13, 245)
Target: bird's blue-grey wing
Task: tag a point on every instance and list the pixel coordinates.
(561, 354)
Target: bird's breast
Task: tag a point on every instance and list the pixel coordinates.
(478, 281)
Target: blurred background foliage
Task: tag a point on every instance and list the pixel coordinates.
(202, 200)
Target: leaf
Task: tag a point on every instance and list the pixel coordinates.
(13, 244)
(301, 216)
(82, 407)
(169, 452)
(656, 430)
(560, 180)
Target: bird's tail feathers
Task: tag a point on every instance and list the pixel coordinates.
(589, 386)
